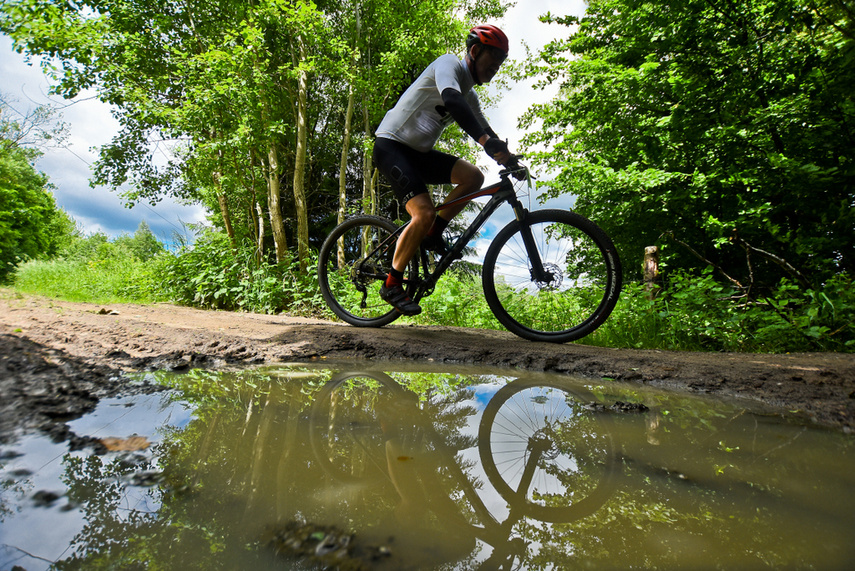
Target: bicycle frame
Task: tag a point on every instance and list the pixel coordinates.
(500, 193)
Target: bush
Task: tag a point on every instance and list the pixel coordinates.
(457, 301)
(695, 312)
(212, 274)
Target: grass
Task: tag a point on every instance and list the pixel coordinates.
(696, 315)
(79, 281)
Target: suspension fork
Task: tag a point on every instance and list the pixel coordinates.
(538, 273)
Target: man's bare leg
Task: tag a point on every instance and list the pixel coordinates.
(468, 178)
(422, 213)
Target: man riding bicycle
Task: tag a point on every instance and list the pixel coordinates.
(404, 149)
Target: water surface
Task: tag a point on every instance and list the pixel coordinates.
(291, 467)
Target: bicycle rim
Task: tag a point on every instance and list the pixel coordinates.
(583, 284)
(576, 463)
(353, 262)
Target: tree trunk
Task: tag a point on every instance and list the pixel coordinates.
(369, 176)
(342, 171)
(224, 210)
(273, 205)
(256, 212)
(300, 163)
(259, 236)
(650, 271)
(217, 177)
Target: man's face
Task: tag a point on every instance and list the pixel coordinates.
(487, 61)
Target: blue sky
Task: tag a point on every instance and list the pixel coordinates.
(92, 125)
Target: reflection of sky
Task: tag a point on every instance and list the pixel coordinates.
(483, 393)
(144, 415)
(44, 460)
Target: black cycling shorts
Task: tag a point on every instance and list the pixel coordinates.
(410, 171)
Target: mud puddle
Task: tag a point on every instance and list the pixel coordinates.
(293, 467)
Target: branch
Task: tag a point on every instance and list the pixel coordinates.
(27, 553)
(789, 268)
(706, 261)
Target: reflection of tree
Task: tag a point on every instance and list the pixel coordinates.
(241, 464)
(10, 486)
(245, 462)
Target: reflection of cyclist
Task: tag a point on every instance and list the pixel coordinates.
(404, 148)
(425, 508)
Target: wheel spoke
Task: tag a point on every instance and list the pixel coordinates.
(583, 283)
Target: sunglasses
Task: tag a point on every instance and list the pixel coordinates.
(495, 53)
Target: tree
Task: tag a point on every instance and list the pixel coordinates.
(31, 224)
(724, 129)
(142, 244)
(247, 98)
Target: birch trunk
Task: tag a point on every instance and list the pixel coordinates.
(273, 204)
(369, 176)
(300, 162)
(224, 210)
(342, 171)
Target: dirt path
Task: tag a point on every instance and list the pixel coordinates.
(58, 358)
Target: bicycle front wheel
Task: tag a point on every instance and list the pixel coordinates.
(354, 260)
(578, 290)
(546, 452)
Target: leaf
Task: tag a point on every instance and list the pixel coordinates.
(130, 444)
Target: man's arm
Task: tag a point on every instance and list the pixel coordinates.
(462, 113)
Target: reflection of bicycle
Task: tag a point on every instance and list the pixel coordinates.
(549, 275)
(548, 454)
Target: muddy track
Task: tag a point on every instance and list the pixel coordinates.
(58, 358)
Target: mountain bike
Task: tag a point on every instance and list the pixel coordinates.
(543, 448)
(549, 275)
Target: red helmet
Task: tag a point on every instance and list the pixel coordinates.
(489, 36)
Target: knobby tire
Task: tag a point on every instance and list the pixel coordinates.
(584, 277)
(350, 284)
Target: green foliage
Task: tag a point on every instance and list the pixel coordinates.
(142, 244)
(457, 301)
(31, 224)
(214, 275)
(227, 80)
(725, 125)
(696, 312)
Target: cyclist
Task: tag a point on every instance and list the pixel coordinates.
(404, 152)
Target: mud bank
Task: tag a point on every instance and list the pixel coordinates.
(57, 359)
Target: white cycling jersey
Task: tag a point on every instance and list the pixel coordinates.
(420, 116)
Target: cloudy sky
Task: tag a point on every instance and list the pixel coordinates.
(92, 125)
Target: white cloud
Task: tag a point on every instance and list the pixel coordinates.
(69, 167)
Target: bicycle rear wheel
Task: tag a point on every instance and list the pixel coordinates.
(571, 474)
(347, 426)
(583, 277)
(354, 260)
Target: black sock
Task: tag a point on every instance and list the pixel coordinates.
(439, 224)
(394, 278)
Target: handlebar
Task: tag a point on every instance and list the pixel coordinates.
(515, 169)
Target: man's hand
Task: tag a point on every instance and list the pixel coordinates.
(497, 149)
(514, 163)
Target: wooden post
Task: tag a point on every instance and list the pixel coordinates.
(650, 271)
